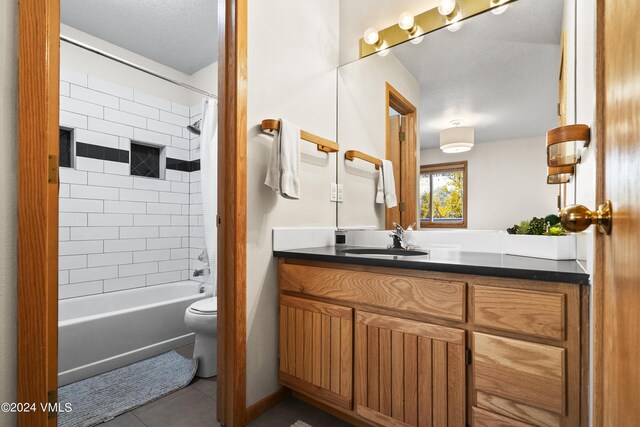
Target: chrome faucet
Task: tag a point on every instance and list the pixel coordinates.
(398, 237)
(206, 270)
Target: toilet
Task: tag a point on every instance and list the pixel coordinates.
(202, 318)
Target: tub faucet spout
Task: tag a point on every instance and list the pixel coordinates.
(201, 272)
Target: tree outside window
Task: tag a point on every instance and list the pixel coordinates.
(443, 195)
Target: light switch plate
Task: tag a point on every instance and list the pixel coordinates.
(340, 194)
(334, 192)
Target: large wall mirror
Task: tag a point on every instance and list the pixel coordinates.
(493, 88)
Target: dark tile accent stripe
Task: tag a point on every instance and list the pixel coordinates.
(183, 165)
(101, 153)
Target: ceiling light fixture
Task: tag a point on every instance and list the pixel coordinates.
(456, 139)
(496, 8)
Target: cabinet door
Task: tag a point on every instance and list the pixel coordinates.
(316, 348)
(409, 373)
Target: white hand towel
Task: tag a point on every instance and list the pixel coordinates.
(387, 185)
(284, 163)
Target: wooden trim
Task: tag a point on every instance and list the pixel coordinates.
(232, 203)
(326, 145)
(317, 307)
(38, 92)
(407, 179)
(319, 392)
(597, 279)
(262, 406)
(431, 331)
(355, 154)
(451, 166)
(350, 417)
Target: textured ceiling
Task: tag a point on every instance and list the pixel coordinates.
(498, 73)
(181, 34)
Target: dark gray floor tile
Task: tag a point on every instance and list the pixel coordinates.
(124, 420)
(186, 351)
(208, 386)
(291, 410)
(162, 400)
(190, 409)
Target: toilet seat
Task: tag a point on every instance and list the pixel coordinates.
(207, 306)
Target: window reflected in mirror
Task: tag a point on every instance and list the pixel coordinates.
(443, 195)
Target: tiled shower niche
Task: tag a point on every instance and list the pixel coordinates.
(119, 229)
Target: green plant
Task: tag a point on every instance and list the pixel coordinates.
(524, 227)
(552, 219)
(537, 226)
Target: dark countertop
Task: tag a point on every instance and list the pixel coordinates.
(448, 261)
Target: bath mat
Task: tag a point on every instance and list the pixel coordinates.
(300, 424)
(105, 396)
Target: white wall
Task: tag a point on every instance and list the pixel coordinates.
(585, 179)
(8, 201)
(293, 55)
(506, 180)
(362, 127)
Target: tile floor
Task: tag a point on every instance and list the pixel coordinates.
(195, 406)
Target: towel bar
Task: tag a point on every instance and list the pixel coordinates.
(353, 154)
(326, 145)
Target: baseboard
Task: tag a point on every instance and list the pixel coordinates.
(331, 409)
(262, 406)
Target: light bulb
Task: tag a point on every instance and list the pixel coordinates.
(406, 21)
(371, 36)
(383, 50)
(454, 27)
(496, 8)
(417, 40)
(446, 7)
(499, 10)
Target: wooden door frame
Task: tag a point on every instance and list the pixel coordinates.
(597, 280)
(38, 122)
(394, 99)
(38, 135)
(232, 208)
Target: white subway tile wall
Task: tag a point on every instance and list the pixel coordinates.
(117, 231)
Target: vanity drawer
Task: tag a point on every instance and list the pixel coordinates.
(535, 313)
(438, 298)
(521, 371)
(482, 418)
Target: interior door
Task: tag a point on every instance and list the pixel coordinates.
(619, 269)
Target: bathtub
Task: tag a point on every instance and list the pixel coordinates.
(99, 333)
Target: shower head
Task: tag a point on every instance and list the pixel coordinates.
(194, 128)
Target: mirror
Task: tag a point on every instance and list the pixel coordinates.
(493, 84)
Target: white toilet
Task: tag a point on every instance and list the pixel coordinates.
(202, 318)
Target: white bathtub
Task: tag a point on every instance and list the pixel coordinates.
(99, 333)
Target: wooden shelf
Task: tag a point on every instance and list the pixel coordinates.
(354, 154)
(326, 145)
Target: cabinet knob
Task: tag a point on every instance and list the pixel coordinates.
(577, 218)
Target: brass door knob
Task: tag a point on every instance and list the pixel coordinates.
(577, 218)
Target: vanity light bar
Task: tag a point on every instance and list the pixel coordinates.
(427, 22)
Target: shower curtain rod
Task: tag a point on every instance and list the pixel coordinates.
(133, 65)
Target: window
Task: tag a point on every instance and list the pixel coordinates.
(145, 160)
(66, 148)
(443, 195)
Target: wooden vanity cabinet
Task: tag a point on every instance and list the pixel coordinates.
(393, 347)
